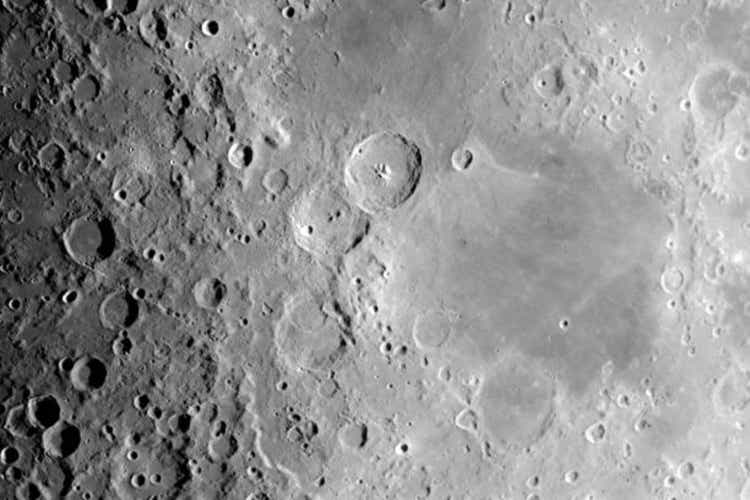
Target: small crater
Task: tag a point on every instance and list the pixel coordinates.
(287, 12)
(210, 27)
(240, 156)
(65, 364)
(88, 373)
(88, 241)
(43, 411)
(467, 420)
(433, 6)
(571, 477)
(742, 151)
(127, 7)
(61, 440)
(118, 310)
(275, 181)
(209, 293)
(86, 90)
(564, 324)
(9, 455)
(692, 31)
(549, 82)
(672, 279)
(402, 448)
(141, 401)
(461, 158)
(17, 424)
(14, 304)
(595, 433)
(101, 5)
(122, 346)
(685, 470)
(138, 480)
(431, 329)
(69, 297)
(179, 423)
(52, 156)
(638, 150)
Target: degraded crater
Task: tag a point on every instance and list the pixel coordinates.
(432, 328)
(515, 403)
(90, 240)
(324, 224)
(209, 292)
(731, 395)
(305, 337)
(467, 420)
(309, 350)
(304, 310)
(275, 181)
(595, 433)
(353, 436)
(382, 172)
(118, 310)
(86, 90)
(739, 84)
(52, 156)
(17, 423)
(711, 94)
(548, 81)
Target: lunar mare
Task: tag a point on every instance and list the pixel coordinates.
(375, 249)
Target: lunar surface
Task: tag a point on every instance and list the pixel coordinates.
(375, 249)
